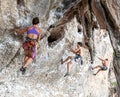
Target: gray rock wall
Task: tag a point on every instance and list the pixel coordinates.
(45, 77)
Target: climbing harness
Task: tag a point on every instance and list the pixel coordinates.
(29, 47)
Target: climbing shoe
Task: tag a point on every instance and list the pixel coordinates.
(67, 74)
(23, 69)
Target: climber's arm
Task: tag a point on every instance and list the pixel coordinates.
(21, 31)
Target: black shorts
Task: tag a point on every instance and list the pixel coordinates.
(79, 58)
(103, 68)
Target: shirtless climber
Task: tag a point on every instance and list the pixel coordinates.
(101, 68)
(77, 53)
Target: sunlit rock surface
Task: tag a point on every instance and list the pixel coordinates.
(45, 76)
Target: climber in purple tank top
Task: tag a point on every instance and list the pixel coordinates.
(31, 43)
(33, 31)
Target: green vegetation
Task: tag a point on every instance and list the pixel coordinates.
(113, 84)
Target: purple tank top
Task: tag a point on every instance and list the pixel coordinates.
(33, 31)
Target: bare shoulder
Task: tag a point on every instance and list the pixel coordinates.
(39, 30)
(79, 48)
(30, 27)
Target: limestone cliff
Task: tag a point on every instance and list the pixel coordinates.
(95, 23)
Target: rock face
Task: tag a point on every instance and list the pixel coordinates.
(98, 30)
(113, 8)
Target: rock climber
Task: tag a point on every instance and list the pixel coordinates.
(31, 42)
(103, 67)
(77, 53)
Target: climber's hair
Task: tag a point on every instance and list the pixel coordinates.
(79, 43)
(106, 59)
(35, 21)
